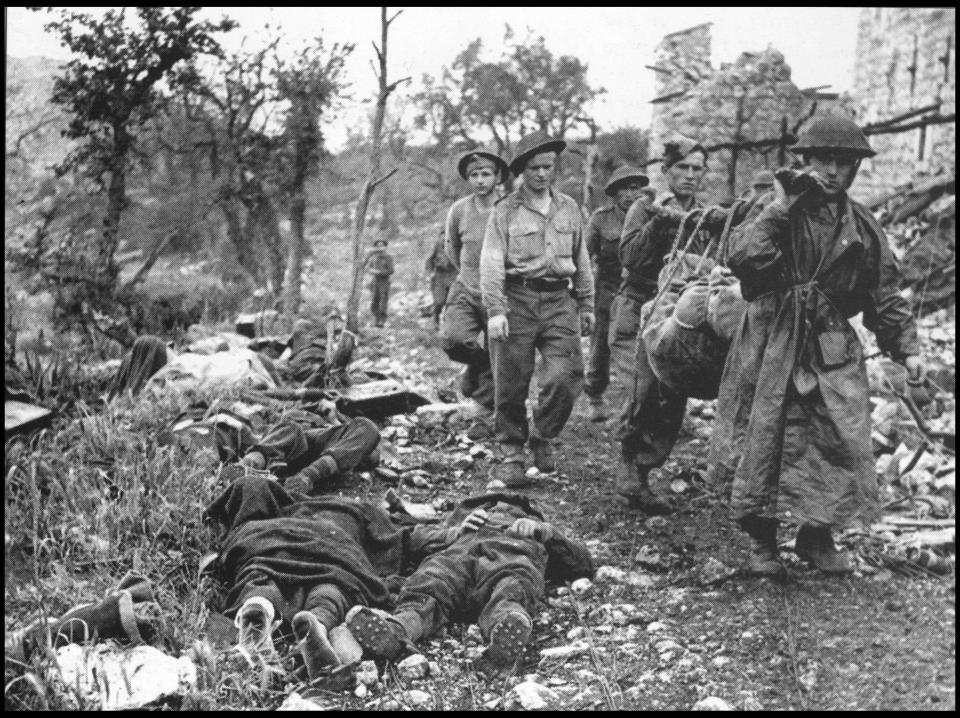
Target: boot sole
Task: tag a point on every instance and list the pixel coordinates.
(375, 635)
(508, 640)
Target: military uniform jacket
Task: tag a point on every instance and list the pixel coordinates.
(603, 243)
(380, 264)
(520, 241)
(793, 415)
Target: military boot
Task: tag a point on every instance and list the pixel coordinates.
(509, 637)
(815, 545)
(255, 622)
(314, 644)
(634, 491)
(598, 409)
(763, 561)
(380, 634)
(543, 456)
(510, 469)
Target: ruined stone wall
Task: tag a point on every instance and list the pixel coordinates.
(747, 100)
(906, 60)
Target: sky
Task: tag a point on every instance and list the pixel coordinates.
(616, 42)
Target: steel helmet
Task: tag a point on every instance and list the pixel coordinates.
(834, 132)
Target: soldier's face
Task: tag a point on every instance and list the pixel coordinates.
(685, 176)
(627, 195)
(538, 174)
(482, 180)
(836, 169)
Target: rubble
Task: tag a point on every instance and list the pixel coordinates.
(417, 698)
(413, 667)
(367, 674)
(712, 703)
(532, 696)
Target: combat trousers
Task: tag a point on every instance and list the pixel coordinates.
(598, 367)
(651, 417)
(347, 444)
(480, 577)
(464, 322)
(379, 296)
(324, 600)
(624, 326)
(440, 290)
(548, 322)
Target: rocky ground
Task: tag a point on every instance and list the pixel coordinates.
(667, 622)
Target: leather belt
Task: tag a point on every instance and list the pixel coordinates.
(538, 284)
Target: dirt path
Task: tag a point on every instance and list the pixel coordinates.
(691, 626)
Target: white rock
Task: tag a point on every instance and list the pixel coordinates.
(413, 667)
(296, 702)
(721, 661)
(581, 586)
(433, 669)
(417, 698)
(361, 691)
(533, 696)
(124, 679)
(638, 579)
(572, 649)
(656, 626)
(575, 633)
(712, 703)
(496, 485)
(610, 574)
(367, 673)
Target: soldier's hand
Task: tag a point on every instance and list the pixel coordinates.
(587, 323)
(530, 528)
(915, 365)
(790, 186)
(474, 521)
(498, 328)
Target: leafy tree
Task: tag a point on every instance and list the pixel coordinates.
(527, 88)
(309, 84)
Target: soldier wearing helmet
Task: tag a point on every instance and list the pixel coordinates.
(793, 416)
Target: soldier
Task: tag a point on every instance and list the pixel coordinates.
(532, 248)
(793, 413)
(493, 572)
(380, 266)
(603, 244)
(442, 273)
(466, 319)
(761, 184)
(652, 415)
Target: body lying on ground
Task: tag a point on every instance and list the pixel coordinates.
(493, 574)
(291, 560)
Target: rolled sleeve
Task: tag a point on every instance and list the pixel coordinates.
(493, 265)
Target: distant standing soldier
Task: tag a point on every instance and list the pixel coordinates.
(653, 413)
(380, 266)
(466, 318)
(762, 183)
(603, 244)
(532, 248)
(442, 272)
(793, 415)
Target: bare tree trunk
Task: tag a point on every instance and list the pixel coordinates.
(105, 268)
(372, 179)
(291, 300)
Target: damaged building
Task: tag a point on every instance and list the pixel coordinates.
(746, 112)
(904, 93)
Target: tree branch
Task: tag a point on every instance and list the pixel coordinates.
(380, 180)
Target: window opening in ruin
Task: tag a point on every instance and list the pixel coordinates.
(912, 68)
